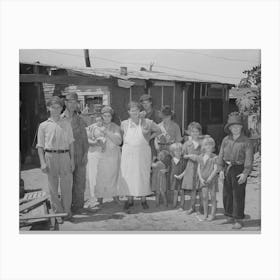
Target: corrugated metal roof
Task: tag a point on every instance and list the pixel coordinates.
(131, 74)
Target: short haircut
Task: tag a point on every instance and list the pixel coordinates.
(162, 155)
(175, 147)
(194, 125)
(208, 141)
(55, 100)
(145, 97)
(133, 104)
(107, 109)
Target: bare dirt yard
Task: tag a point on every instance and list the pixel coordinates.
(111, 216)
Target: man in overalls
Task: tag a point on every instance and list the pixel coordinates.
(81, 150)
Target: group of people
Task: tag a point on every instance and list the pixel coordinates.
(146, 154)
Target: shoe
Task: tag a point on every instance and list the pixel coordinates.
(145, 205)
(210, 218)
(127, 205)
(237, 225)
(229, 220)
(190, 211)
(69, 217)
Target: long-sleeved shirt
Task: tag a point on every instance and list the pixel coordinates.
(79, 132)
(239, 151)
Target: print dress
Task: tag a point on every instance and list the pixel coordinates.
(190, 179)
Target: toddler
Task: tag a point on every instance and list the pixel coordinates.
(97, 133)
(178, 165)
(159, 178)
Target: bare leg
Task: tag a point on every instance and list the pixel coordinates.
(182, 202)
(214, 204)
(157, 198)
(205, 202)
(175, 198)
(164, 197)
(193, 199)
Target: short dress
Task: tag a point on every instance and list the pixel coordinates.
(206, 170)
(190, 179)
(177, 169)
(159, 183)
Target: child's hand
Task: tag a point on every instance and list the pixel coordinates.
(179, 177)
(44, 168)
(202, 181)
(142, 114)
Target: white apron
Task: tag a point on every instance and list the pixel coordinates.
(135, 163)
(91, 171)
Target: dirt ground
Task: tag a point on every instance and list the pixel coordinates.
(112, 217)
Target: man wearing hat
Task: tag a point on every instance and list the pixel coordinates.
(81, 149)
(149, 113)
(56, 152)
(236, 160)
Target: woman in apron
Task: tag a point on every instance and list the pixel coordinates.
(135, 168)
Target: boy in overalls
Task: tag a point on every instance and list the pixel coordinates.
(56, 152)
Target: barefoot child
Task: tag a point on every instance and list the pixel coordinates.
(159, 184)
(178, 165)
(208, 178)
(191, 149)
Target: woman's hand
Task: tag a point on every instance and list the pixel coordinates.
(242, 178)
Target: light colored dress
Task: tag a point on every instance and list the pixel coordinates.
(190, 179)
(159, 179)
(135, 162)
(109, 167)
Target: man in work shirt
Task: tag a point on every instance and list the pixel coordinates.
(56, 152)
(81, 150)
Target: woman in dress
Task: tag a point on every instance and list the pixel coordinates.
(136, 156)
(109, 161)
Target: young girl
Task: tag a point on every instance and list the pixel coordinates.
(191, 149)
(97, 133)
(178, 165)
(159, 184)
(208, 178)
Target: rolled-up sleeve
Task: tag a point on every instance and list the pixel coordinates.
(41, 137)
(249, 157)
(70, 134)
(220, 158)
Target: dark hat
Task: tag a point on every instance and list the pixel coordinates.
(145, 97)
(72, 96)
(233, 118)
(166, 111)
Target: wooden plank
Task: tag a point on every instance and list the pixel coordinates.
(32, 203)
(46, 216)
(78, 80)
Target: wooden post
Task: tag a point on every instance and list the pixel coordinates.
(87, 60)
(174, 92)
(161, 96)
(130, 94)
(183, 111)
(193, 107)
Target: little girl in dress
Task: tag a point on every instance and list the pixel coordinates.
(208, 178)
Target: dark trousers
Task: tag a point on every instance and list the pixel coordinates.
(233, 193)
(79, 185)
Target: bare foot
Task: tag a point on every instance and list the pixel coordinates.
(211, 218)
(190, 211)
